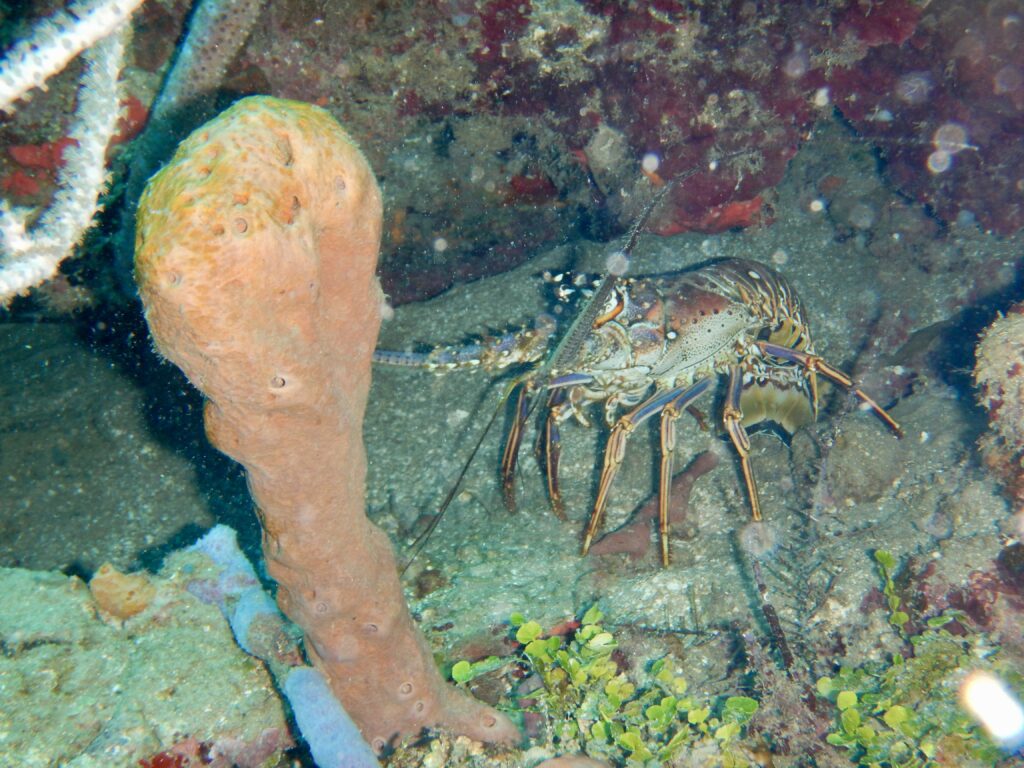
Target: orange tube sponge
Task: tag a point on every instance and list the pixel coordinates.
(256, 250)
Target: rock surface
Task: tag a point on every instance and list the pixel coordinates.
(83, 692)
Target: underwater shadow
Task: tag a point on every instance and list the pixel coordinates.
(173, 413)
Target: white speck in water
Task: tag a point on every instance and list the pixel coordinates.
(924, 437)
(950, 138)
(796, 65)
(617, 263)
(650, 163)
(1009, 79)
(862, 216)
(440, 245)
(817, 206)
(994, 705)
(965, 218)
(456, 417)
(914, 87)
(939, 161)
(758, 539)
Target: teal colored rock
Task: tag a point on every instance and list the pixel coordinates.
(82, 691)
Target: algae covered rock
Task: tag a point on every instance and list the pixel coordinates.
(863, 465)
(83, 691)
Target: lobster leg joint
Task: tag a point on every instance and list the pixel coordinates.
(814, 364)
(732, 417)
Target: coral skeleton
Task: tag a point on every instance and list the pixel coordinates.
(56, 41)
(29, 257)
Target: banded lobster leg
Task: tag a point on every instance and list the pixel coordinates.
(670, 404)
(814, 365)
(510, 456)
(559, 389)
(732, 418)
(553, 449)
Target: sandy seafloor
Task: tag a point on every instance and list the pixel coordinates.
(103, 460)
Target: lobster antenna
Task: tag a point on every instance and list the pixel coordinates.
(423, 538)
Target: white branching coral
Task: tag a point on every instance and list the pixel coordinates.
(29, 257)
(56, 41)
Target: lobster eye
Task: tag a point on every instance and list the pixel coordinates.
(616, 303)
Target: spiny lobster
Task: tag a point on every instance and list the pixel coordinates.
(654, 345)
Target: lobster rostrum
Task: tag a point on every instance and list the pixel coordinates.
(653, 346)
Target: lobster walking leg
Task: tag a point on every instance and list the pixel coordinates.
(669, 416)
(515, 438)
(615, 449)
(553, 450)
(732, 416)
(552, 445)
(815, 365)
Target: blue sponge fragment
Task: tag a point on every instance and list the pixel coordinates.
(236, 591)
(333, 739)
(252, 604)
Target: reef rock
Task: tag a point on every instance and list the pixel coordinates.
(999, 375)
